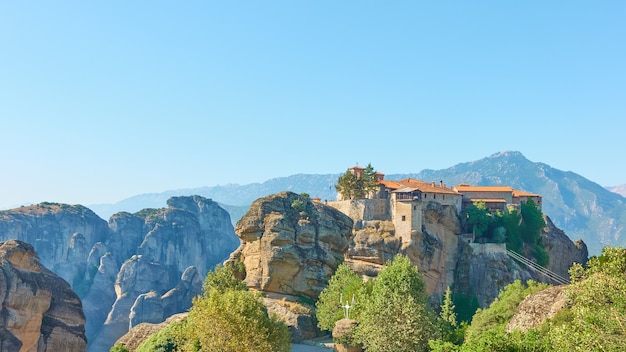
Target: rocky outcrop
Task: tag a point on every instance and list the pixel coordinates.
(291, 245)
(61, 234)
(297, 315)
(172, 248)
(485, 269)
(562, 251)
(537, 308)
(434, 249)
(342, 334)
(179, 298)
(138, 334)
(39, 311)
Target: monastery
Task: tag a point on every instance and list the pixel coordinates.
(404, 201)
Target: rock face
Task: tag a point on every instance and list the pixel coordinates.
(483, 270)
(537, 308)
(39, 310)
(291, 245)
(434, 250)
(159, 256)
(179, 245)
(445, 258)
(138, 334)
(562, 251)
(61, 235)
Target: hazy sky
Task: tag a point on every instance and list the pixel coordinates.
(102, 100)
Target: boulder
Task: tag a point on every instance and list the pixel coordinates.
(561, 250)
(537, 308)
(147, 308)
(39, 311)
(342, 335)
(291, 245)
(139, 333)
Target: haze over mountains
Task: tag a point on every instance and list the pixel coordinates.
(581, 207)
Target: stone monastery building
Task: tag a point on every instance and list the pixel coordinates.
(404, 201)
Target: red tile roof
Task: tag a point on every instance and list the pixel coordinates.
(468, 188)
(426, 187)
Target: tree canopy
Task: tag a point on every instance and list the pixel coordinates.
(593, 320)
(342, 286)
(396, 316)
(227, 317)
(352, 187)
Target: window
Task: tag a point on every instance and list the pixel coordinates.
(403, 217)
(414, 207)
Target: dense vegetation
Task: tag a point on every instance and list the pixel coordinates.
(393, 315)
(519, 229)
(391, 311)
(353, 187)
(227, 317)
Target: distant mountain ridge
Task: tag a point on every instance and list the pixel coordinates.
(619, 189)
(582, 208)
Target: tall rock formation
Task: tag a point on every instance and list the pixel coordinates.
(561, 250)
(39, 311)
(61, 234)
(179, 244)
(291, 245)
(154, 253)
(434, 250)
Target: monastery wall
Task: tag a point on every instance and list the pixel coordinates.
(363, 209)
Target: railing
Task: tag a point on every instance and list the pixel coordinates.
(538, 268)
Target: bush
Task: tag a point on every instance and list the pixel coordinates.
(396, 316)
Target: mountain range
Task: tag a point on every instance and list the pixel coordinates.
(580, 207)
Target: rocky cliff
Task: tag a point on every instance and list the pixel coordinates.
(139, 267)
(290, 246)
(39, 311)
(434, 249)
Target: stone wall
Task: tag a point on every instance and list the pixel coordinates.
(488, 248)
(363, 209)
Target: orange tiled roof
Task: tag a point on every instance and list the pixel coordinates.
(468, 188)
(518, 193)
(426, 187)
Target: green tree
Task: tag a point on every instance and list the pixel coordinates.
(343, 285)
(451, 331)
(119, 348)
(369, 180)
(477, 215)
(223, 278)
(532, 222)
(234, 320)
(596, 320)
(353, 187)
(501, 310)
(510, 220)
(347, 185)
(166, 340)
(396, 316)
(227, 317)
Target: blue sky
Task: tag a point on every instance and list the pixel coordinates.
(102, 100)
